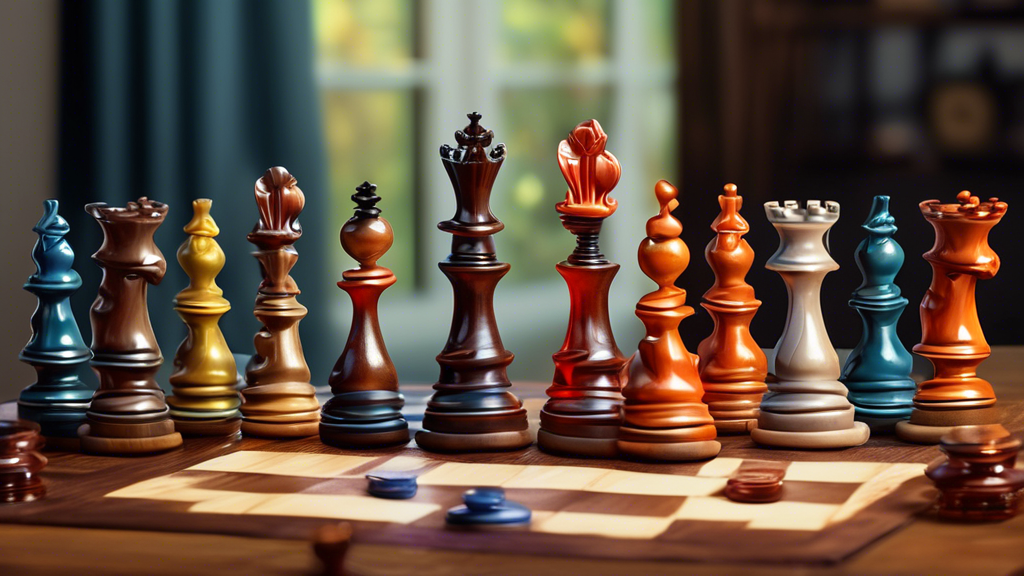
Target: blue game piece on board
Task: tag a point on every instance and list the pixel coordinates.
(396, 485)
(877, 372)
(59, 399)
(488, 506)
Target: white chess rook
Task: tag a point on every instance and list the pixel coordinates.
(807, 407)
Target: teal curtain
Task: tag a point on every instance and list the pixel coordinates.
(185, 99)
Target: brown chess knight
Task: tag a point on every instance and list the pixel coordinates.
(129, 413)
(732, 366)
(664, 417)
(279, 401)
(951, 335)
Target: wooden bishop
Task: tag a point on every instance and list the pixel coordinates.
(663, 415)
(732, 366)
(279, 400)
(205, 379)
(366, 408)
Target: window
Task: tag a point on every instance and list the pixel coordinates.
(397, 79)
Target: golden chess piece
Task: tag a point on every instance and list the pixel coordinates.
(205, 378)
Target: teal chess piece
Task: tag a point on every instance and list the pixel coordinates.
(58, 399)
(877, 372)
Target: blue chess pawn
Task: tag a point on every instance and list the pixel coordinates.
(877, 373)
(59, 399)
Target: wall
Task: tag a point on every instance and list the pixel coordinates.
(28, 161)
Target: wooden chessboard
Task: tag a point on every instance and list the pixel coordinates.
(835, 502)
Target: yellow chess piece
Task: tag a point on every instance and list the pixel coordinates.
(205, 378)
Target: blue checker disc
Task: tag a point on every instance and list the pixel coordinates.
(392, 484)
(488, 506)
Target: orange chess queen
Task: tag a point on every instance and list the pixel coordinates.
(951, 335)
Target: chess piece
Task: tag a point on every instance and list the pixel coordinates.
(58, 400)
(732, 366)
(877, 372)
(129, 414)
(20, 460)
(756, 482)
(807, 407)
(488, 506)
(279, 401)
(366, 409)
(583, 411)
(951, 336)
(330, 544)
(472, 407)
(663, 415)
(205, 379)
(978, 481)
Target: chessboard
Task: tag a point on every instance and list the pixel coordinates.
(834, 504)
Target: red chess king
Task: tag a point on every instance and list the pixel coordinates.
(582, 414)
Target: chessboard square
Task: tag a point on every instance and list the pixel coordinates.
(230, 503)
(622, 482)
(773, 516)
(720, 467)
(556, 477)
(284, 464)
(154, 487)
(467, 474)
(855, 472)
(606, 525)
(344, 507)
(635, 505)
(404, 464)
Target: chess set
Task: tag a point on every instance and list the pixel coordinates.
(728, 453)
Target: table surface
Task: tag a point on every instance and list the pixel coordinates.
(925, 546)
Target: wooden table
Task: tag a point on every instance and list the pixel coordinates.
(924, 547)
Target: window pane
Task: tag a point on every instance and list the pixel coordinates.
(369, 137)
(530, 183)
(659, 27)
(364, 33)
(660, 142)
(554, 30)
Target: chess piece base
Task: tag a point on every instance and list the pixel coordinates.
(213, 427)
(116, 446)
(977, 506)
(826, 439)
(62, 444)
(56, 421)
(880, 425)
(33, 491)
(332, 436)
(743, 426)
(485, 442)
(671, 451)
(577, 447)
(928, 426)
(281, 429)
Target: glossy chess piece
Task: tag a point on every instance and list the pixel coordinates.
(807, 407)
(129, 414)
(732, 366)
(279, 401)
(58, 400)
(877, 372)
(583, 411)
(978, 481)
(20, 461)
(366, 409)
(951, 335)
(473, 408)
(663, 415)
(205, 379)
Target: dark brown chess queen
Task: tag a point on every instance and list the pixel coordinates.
(472, 408)
(583, 411)
(129, 413)
(366, 407)
(279, 401)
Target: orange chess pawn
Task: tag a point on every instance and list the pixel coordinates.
(663, 415)
(951, 335)
(732, 366)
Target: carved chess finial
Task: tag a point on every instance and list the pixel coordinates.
(590, 170)
(732, 366)
(366, 236)
(366, 201)
(279, 201)
(205, 377)
(663, 256)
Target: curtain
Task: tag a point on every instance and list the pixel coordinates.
(183, 99)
